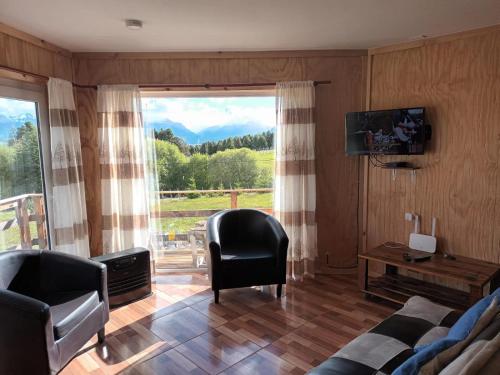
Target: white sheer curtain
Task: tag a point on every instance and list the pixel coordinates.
(69, 207)
(295, 176)
(126, 180)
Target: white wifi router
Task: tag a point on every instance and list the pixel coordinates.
(423, 242)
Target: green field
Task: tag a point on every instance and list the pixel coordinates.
(182, 225)
(10, 237)
(265, 159)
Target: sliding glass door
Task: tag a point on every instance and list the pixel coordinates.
(23, 140)
(214, 151)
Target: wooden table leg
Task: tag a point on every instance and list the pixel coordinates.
(475, 294)
(495, 282)
(363, 274)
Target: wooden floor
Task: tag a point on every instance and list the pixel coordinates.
(179, 329)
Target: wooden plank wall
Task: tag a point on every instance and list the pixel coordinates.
(22, 51)
(457, 78)
(337, 175)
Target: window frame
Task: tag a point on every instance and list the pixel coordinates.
(37, 93)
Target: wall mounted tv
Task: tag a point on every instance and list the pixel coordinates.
(387, 132)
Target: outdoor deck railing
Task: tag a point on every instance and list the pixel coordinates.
(22, 205)
(206, 212)
(189, 251)
(30, 208)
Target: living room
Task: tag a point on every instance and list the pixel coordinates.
(249, 187)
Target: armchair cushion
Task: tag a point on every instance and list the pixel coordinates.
(242, 251)
(69, 309)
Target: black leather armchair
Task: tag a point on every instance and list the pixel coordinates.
(51, 304)
(247, 248)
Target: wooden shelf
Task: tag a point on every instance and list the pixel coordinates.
(399, 289)
(402, 168)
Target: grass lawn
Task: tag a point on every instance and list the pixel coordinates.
(182, 225)
(11, 237)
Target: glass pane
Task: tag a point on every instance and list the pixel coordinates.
(22, 207)
(212, 153)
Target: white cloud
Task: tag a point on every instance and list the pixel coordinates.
(14, 107)
(200, 113)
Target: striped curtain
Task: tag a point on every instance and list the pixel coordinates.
(295, 175)
(70, 233)
(123, 159)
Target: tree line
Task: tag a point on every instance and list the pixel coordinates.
(20, 163)
(256, 142)
(227, 169)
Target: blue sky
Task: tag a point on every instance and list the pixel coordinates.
(200, 113)
(14, 107)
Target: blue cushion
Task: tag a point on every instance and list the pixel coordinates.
(460, 330)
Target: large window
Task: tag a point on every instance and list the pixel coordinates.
(212, 153)
(23, 223)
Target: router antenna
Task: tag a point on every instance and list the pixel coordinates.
(433, 227)
(416, 224)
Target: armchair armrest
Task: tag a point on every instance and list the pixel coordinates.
(280, 241)
(18, 304)
(26, 334)
(61, 272)
(213, 238)
(278, 236)
(214, 247)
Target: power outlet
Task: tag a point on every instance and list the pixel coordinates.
(408, 216)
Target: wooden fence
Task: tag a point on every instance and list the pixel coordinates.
(21, 206)
(192, 255)
(205, 213)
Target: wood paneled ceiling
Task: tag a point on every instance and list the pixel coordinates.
(228, 25)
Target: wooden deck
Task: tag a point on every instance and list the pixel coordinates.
(179, 330)
(181, 260)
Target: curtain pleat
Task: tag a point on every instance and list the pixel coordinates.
(125, 179)
(295, 176)
(69, 208)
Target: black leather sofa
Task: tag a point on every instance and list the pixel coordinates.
(51, 304)
(247, 247)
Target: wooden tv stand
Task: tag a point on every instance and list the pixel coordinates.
(398, 288)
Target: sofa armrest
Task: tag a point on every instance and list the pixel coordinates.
(64, 272)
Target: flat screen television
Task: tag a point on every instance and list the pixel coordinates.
(386, 132)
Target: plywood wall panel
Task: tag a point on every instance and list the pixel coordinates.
(19, 54)
(457, 81)
(87, 118)
(337, 175)
(277, 69)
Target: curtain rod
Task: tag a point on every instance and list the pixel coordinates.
(161, 85)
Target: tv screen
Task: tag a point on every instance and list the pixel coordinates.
(387, 132)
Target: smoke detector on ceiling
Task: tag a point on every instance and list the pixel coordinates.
(133, 24)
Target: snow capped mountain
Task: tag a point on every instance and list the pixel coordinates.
(213, 133)
(9, 124)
